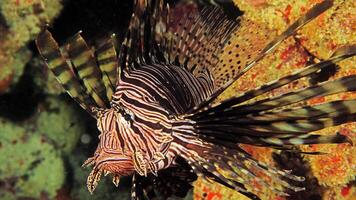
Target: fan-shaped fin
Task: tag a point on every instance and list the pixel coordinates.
(311, 14)
(193, 41)
(282, 143)
(344, 84)
(339, 54)
(130, 54)
(325, 110)
(235, 168)
(256, 121)
(198, 39)
(52, 55)
(303, 126)
(171, 182)
(145, 41)
(245, 45)
(306, 139)
(85, 64)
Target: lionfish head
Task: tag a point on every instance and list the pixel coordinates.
(109, 157)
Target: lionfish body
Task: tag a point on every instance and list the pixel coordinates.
(144, 112)
(154, 102)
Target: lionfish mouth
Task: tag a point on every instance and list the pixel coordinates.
(108, 163)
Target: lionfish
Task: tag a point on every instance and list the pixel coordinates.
(155, 101)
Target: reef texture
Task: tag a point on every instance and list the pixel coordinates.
(329, 176)
(20, 22)
(30, 165)
(31, 151)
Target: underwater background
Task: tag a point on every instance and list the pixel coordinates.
(45, 137)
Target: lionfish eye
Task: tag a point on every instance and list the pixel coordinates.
(127, 114)
(127, 117)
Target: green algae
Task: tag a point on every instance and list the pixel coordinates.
(48, 174)
(14, 66)
(31, 165)
(20, 59)
(61, 123)
(26, 18)
(32, 152)
(20, 22)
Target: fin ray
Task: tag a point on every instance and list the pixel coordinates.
(108, 64)
(340, 54)
(50, 52)
(85, 64)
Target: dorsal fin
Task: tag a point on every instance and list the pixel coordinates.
(128, 53)
(145, 35)
(310, 15)
(244, 46)
(55, 60)
(199, 37)
(85, 64)
(194, 42)
(340, 54)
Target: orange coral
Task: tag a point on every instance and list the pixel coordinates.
(321, 37)
(347, 192)
(5, 82)
(337, 167)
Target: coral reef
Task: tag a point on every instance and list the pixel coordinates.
(204, 190)
(20, 22)
(337, 167)
(60, 122)
(346, 192)
(33, 150)
(334, 171)
(31, 166)
(332, 29)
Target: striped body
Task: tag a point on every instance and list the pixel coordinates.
(142, 122)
